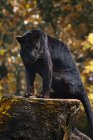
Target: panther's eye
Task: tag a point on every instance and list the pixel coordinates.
(36, 47)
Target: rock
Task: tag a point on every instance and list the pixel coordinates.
(37, 119)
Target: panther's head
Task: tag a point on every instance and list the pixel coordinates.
(33, 44)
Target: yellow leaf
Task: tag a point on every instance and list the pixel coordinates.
(2, 52)
(90, 38)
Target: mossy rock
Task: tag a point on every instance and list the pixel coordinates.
(36, 119)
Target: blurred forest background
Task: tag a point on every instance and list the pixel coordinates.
(68, 20)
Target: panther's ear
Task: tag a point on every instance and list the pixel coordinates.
(19, 39)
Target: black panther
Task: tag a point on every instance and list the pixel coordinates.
(52, 59)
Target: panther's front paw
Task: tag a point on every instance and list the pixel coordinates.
(28, 94)
(43, 95)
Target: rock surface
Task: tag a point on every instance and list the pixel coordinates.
(37, 119)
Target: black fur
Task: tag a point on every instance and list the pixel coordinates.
(52, 59)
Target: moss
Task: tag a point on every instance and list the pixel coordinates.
(6, 107)
(32, 116)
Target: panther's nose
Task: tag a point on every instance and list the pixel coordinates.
(32, 58)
